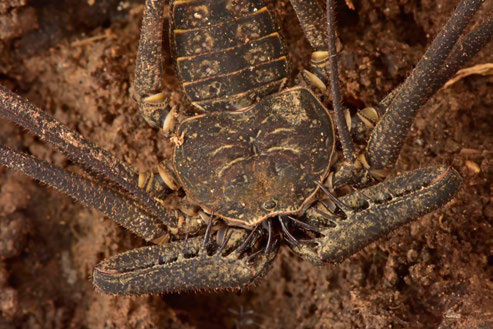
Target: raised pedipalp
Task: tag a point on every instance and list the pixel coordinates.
(184, 266)
(375, 211)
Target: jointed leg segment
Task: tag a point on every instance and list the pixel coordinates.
(116, 206)
(149, 94)
(92, 158)
(186, 265)
(205, 263)
(388, 137)
(314, 24)
(378, 210)
(382, 208)
(448, 53)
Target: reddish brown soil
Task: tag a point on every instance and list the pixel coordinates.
(76, 61)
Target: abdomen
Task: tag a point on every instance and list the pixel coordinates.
(228, 53)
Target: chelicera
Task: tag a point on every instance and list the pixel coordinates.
(253, 165)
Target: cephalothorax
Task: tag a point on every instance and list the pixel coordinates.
(252, 166)
(281, 144)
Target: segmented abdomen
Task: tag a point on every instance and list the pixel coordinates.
(229, 53)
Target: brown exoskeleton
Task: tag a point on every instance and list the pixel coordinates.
(255, 165)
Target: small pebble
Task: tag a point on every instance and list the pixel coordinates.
(473, 166)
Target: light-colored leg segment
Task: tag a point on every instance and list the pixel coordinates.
(153, 103)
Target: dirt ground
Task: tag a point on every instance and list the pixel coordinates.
(75, 59)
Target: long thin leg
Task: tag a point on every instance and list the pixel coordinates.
(342, 128)
(464, 50)
(388, 136)
(75, 146)
(153, 104)
(116, 206)
(149, 93)
(314, 23)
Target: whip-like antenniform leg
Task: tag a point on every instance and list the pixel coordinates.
(323, 41)
(178, 266)
(228, 256)
(77, 148)
(373, 212)
(386, 140)
(116, 206)
(447, 54)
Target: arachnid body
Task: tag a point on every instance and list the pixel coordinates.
(255, 165)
